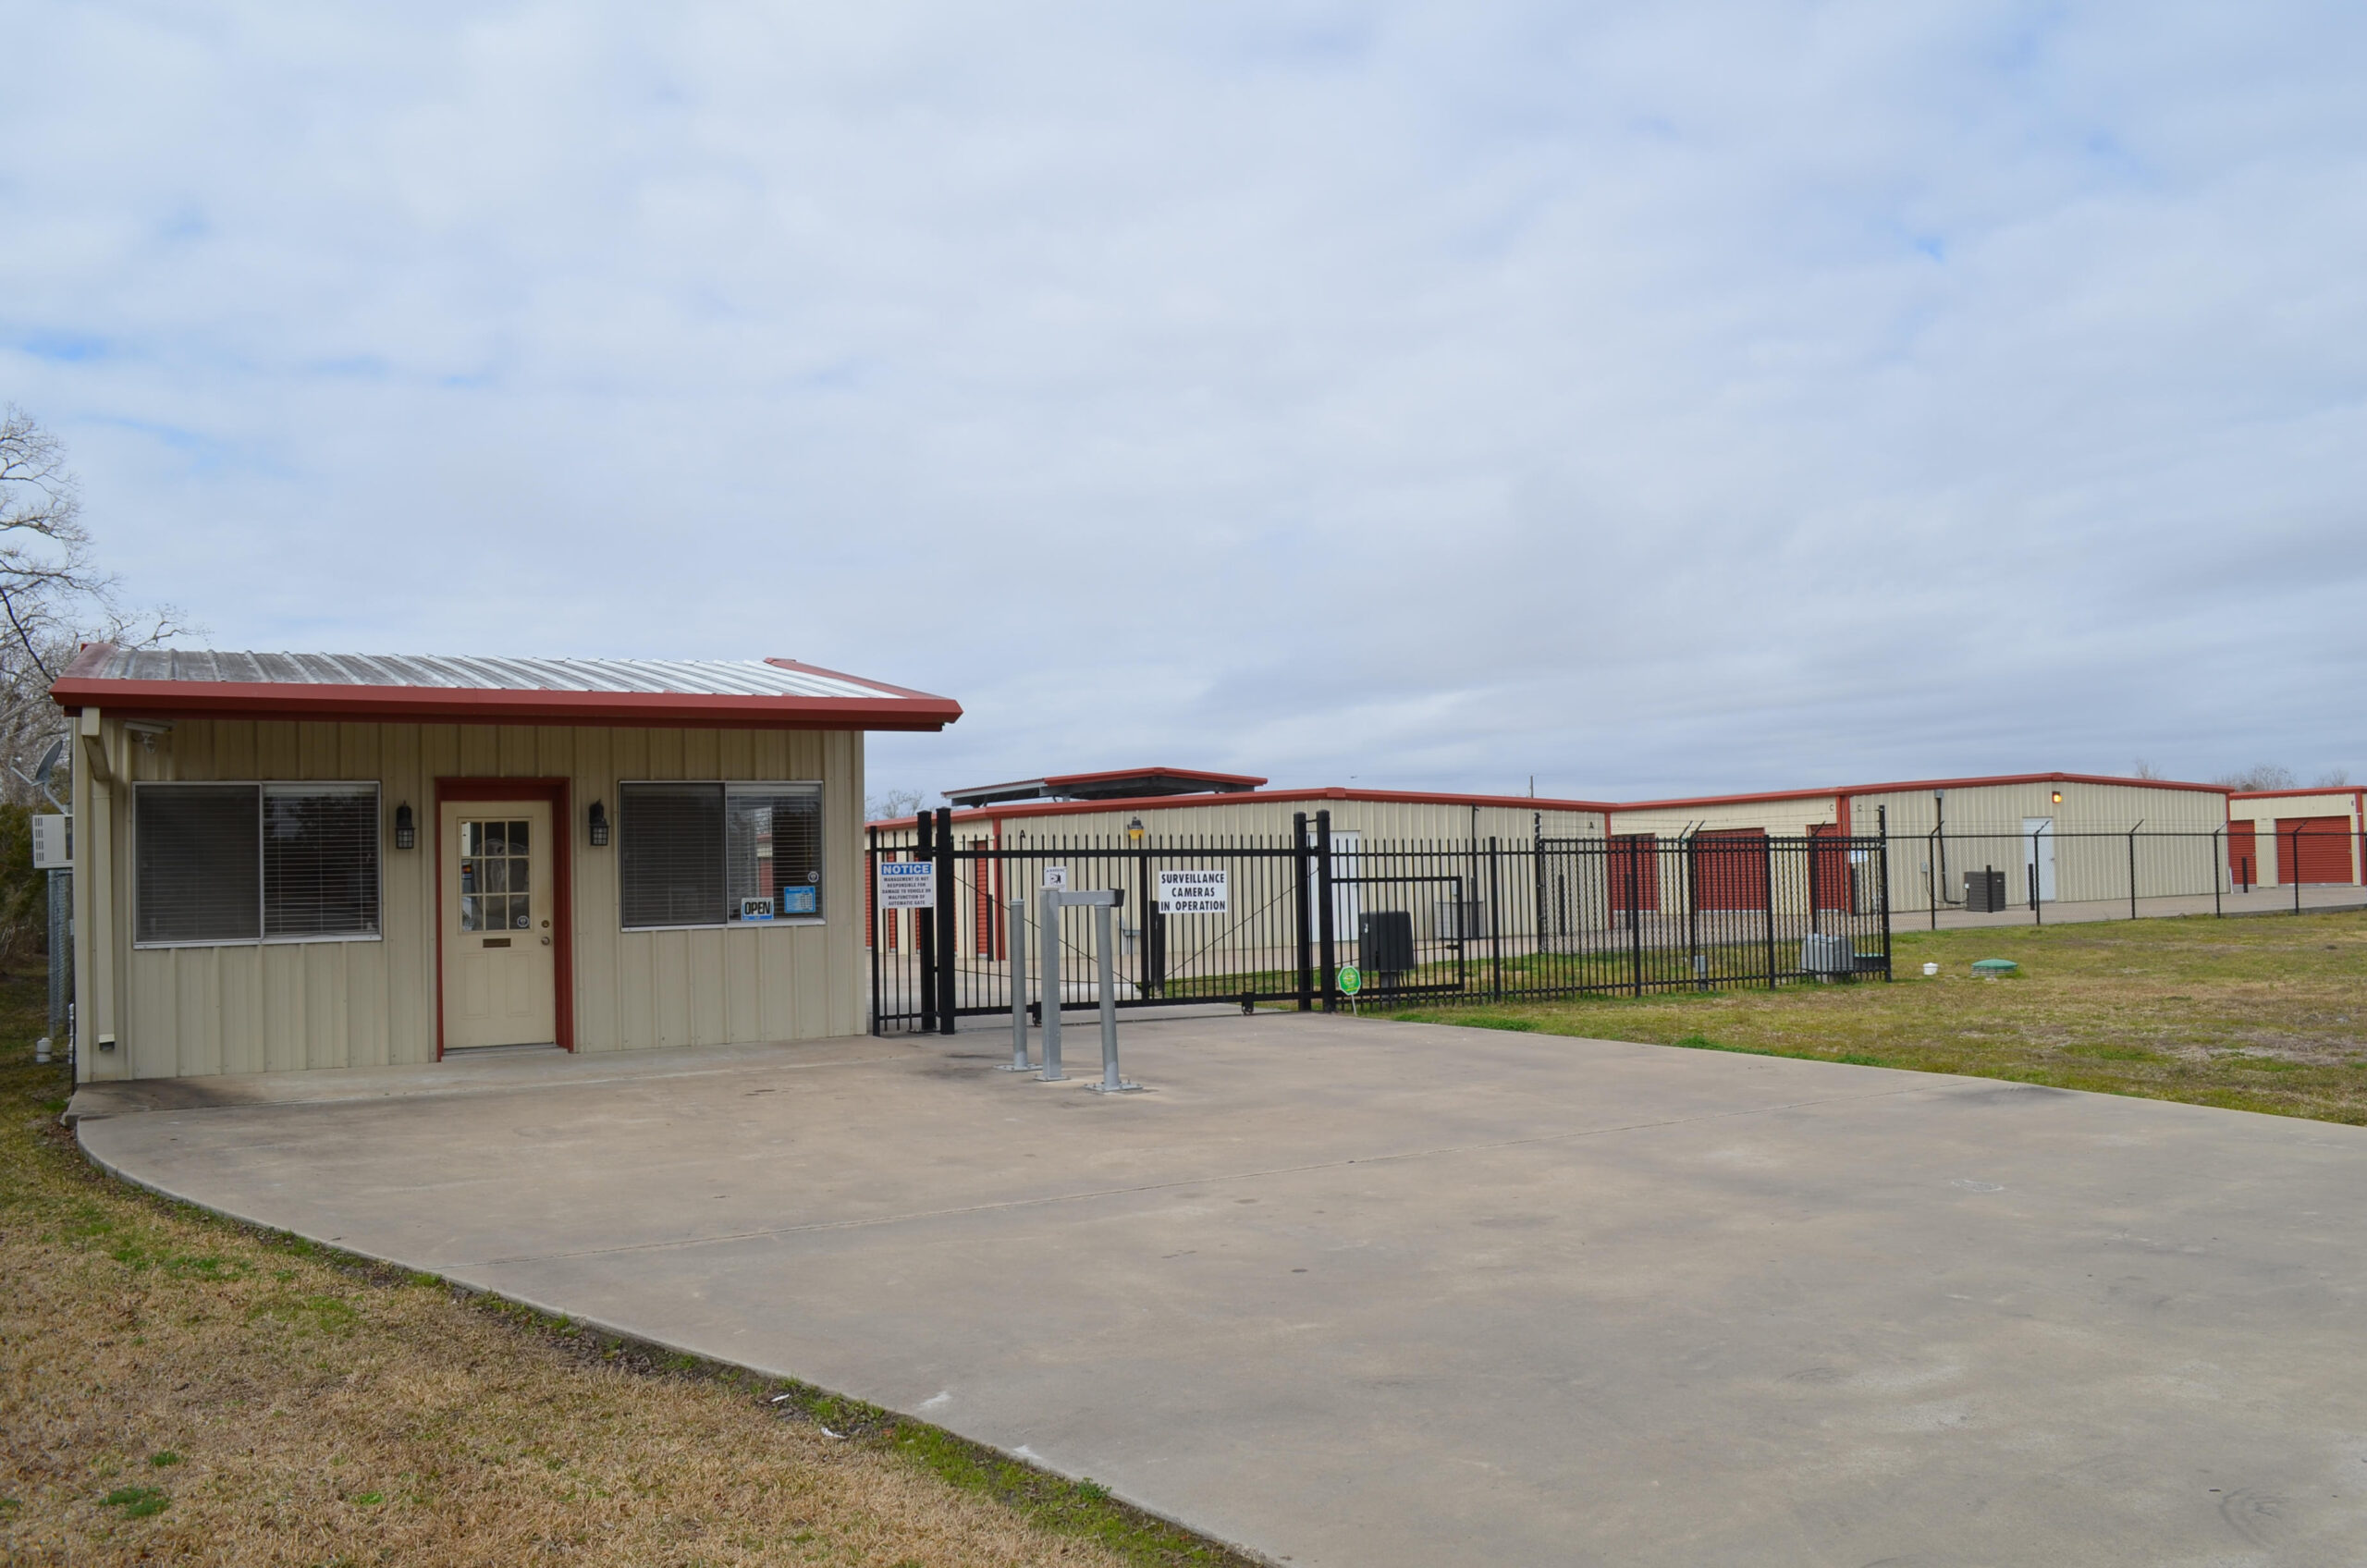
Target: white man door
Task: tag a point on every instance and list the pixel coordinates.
(500, 972)
(2038, 849)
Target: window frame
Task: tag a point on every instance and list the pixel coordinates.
(820, 792)
(373, 788)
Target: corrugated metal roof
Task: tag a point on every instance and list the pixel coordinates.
(705, 677)
(755, 693)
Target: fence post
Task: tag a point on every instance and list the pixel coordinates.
(1881, 830)
(1537, 897)
(1635, 916)
(2132, 872)
(871, 905)
(925, 949)
(1324, 934)
(1304, 920)
(2294, 876)
(1693, 912)
(947, 923)
(2038, 916)
(1495, 926)
(1935, 873)
(2218, 865)
(1767, 884)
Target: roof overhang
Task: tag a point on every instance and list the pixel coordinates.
(880, 707)
(1124, 783)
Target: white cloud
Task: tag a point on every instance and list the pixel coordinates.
(1699, 395)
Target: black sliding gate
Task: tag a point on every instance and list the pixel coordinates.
(1245, 920)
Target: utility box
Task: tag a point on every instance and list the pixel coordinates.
(1828, 955)
(53, 842)
(1385, 943)
(1984, 890)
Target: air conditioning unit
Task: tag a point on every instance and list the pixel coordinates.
(1828, 955)
(1984, 890)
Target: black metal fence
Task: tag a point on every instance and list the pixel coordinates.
(1978, 873)
(1278, 921)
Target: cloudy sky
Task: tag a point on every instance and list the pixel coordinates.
(1643, 399)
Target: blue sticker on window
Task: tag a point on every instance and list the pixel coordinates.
(796, 900)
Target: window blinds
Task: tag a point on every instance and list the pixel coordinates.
(198, 872)
(670, 857)
(692, 852)
(232, 862)
(320, 860)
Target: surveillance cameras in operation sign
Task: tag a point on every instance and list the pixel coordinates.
(1194, 893)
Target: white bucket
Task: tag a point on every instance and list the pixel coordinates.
(1931, 968)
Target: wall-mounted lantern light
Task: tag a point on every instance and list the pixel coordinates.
(406, 828)
(1135, 830)
(599, 825)
(2058, 797)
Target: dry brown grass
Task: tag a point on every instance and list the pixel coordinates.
(176, 1388)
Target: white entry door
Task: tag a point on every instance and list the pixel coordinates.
(2037, 849)
(500, 974)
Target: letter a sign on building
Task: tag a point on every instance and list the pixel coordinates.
(1194, 893)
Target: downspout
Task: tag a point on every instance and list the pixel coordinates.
(94, 935)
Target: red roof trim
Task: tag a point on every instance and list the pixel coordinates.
(1174, 803)
(210, 699)
(1912, 784)
(858, 680)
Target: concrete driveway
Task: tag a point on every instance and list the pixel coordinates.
(1364, 1293)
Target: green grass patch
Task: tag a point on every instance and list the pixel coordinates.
(2266, 1015)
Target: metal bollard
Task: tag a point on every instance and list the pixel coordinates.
(1048, 983)
(1110, 1082)
(1016, 940)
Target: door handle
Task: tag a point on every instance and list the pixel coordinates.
(547, 941)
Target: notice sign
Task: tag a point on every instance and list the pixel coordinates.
(1194, 893)
(908, 883)
(1056, 878)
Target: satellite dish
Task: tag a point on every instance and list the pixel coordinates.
(49, 761)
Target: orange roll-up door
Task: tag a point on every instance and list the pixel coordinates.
(2319, 847)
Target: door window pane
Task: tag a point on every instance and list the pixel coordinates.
(496, 889)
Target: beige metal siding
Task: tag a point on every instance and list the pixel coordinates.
(2174, 851)
(243, 1008)
(1790, 816)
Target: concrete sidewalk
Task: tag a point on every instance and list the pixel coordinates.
(1350, 1293)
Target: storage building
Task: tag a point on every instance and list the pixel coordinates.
(312, 861)
(2069, 833)
(2317, 832)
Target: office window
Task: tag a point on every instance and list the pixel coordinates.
(241, 862)
(715, 854)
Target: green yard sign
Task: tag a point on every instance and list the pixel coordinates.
(1352, 979)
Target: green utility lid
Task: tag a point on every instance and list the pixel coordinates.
(1994, 966)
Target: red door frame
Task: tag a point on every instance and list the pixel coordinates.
(555, 792)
